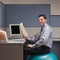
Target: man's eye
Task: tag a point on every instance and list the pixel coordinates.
(41, 19)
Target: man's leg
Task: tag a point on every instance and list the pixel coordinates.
(26, 49)
(32, 51)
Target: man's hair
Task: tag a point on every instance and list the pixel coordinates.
(44, 16)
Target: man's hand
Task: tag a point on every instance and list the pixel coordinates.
(30, 45)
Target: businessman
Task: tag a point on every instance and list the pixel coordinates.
(42, 42)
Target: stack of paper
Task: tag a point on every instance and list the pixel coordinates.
(23, 30)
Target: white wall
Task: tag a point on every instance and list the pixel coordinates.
(55, 4)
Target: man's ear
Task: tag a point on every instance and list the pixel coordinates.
(45, 20)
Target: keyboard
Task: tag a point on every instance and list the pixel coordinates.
(16, 41)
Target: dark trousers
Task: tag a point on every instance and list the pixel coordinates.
(34, 51)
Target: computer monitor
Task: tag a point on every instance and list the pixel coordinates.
(15, 30)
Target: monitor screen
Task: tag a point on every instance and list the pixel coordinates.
(14, 29)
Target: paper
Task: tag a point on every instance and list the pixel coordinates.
(23, 30)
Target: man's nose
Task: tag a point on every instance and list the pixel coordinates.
(39, 21)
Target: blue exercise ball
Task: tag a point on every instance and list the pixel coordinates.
(49, 56)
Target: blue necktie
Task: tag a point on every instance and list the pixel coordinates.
(41, 30)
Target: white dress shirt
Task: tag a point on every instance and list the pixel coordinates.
(44, 37)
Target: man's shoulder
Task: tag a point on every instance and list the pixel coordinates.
(48, 27)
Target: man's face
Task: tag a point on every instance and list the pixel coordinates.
(41, 20)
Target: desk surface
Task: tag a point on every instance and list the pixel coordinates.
(22, 40)
(16, 41)
(56, 39)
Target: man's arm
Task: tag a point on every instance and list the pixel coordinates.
(43, 39)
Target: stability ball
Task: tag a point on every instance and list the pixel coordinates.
(49, 56)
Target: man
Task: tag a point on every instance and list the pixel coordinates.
(42, 42)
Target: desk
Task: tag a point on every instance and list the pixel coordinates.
(11, 51)
(14, 50)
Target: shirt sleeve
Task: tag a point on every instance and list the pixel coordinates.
(38, 43)
(43, 39)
